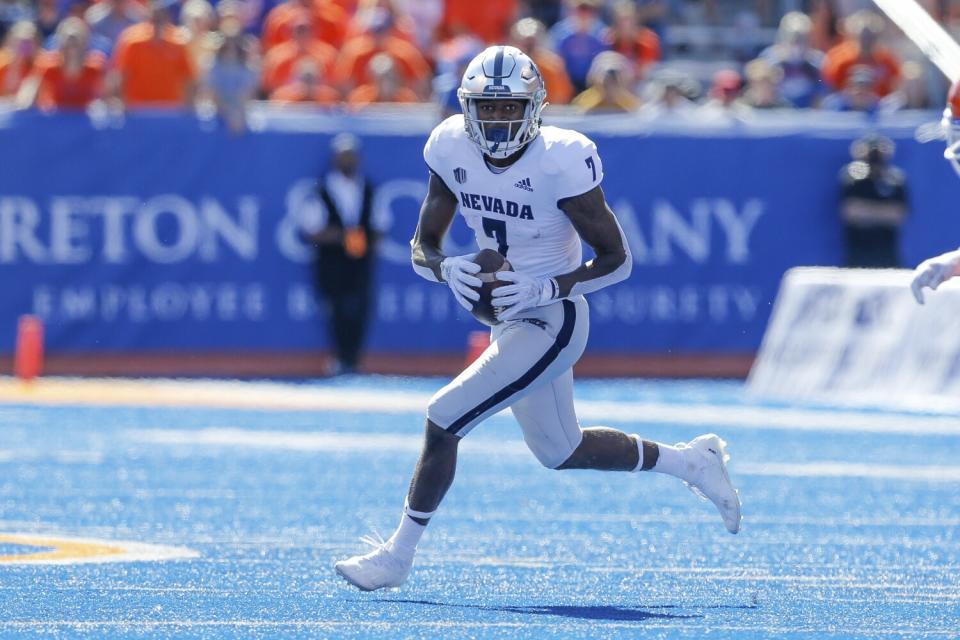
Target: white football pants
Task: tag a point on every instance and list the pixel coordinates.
(527, 367)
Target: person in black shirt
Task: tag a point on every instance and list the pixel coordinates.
(873, 204)
(345, 253)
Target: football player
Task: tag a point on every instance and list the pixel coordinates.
(531, 193)
(935, 271)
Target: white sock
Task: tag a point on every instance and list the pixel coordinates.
(405, 539)
(672, 461)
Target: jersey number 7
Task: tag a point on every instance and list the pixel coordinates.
(497, 229)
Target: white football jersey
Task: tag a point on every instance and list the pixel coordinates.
(515, 212)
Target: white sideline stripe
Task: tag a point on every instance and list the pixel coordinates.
(271, 396)
(770, 418)
(338, 442)
(334, 442)
(930, 473)
(65, 456)
(403, 628)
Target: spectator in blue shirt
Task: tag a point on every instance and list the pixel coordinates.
(858, 94)
(800, 82)
(108, 19)
(578, 39)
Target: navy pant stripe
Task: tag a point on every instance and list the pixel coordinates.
(524, 381)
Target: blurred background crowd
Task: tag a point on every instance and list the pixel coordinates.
(645, 56)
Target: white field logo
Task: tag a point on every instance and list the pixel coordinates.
(46, 549)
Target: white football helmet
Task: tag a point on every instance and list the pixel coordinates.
(951, 127)
(502, 72)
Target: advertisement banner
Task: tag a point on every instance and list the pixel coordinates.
(858, 336)
(167, 233)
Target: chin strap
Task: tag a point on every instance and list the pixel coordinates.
(498, 137)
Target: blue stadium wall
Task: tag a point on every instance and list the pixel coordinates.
(164, 234)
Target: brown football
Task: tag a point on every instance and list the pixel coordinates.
(490, 263)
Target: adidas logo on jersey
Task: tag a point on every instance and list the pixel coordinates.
(524, 184)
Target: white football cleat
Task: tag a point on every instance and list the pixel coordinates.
(379, 569)
(706, 462)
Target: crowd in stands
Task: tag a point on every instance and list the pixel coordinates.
(598, 56)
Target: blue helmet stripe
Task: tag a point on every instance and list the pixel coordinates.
(498, 67)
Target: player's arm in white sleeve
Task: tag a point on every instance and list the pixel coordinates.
(935, 271)
(428, 260)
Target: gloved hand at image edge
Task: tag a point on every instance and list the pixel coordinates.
(933, 272)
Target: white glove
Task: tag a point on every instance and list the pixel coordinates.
(525, 293)
(457, 272)
(934, 272)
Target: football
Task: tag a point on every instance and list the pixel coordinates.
(490, 263)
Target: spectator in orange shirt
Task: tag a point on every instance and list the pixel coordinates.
(529, 35)
(152, 67)
(628, 37)
(489, 20)
(385, 85)
(329, 22)
(68, 79)
(306, 87)
(349, 6)
(860, 48)
(17, 57)
(280, 61)
(355, 56)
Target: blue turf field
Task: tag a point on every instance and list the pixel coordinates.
(850, 524)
